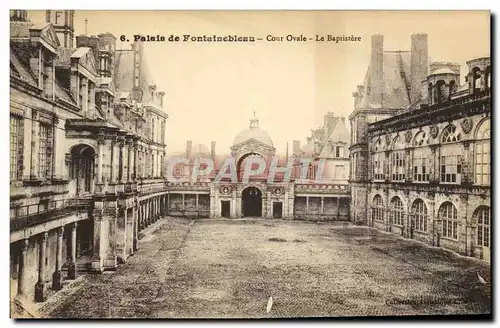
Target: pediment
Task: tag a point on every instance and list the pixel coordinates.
(252, 145)
(88, 61)
(50, 36)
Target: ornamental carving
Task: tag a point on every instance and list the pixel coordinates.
(408, 136)
(225, 190)
(278, 191)
(387, 140)
(434, 131)
(466, 125)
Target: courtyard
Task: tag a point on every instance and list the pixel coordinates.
(230, 269)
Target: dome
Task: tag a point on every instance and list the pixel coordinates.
(253, 132)
(443, 71)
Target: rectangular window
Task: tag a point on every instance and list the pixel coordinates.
(483, 162)
(421, 165)
(45, 151)
(398, 166)
(451, 168)
(16, 147)
(450, 229)
(378, 167)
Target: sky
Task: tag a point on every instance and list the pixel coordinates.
(212, 89)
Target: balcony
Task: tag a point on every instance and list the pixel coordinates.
(29, 215)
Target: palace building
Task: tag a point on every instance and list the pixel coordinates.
(306, 195)
(87, 143)
(420, 149)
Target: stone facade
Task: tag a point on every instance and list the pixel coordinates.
(422, 170)
(86, 156)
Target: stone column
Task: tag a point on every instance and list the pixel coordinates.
(307, 205)
(40, 288)
(96, 265)
(22, 282)
(121, 145)
(57, 277)
(100, 152)
(121, 235)
(322, 205)
(338, 208)
(136, 228)
(238, 205)
(72, 264)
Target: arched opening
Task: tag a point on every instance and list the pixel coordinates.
(241, 164)
(441, 95)
(476, 79)
(82, 168)
(377, 209)
(251, 202)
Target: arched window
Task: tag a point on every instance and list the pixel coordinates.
(476, 79)
(396, 213)
(378, 209)
(450, 134)
(397, 160)
(378, 161)
(483, 226)
(451, 156)
(419, 212)
(422, 159)
(449, 216)
(441, 91)
(483, 154)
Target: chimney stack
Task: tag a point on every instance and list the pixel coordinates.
(296, 147)
(419, 64)
(376, 71)
(189, 146)
(212, 150)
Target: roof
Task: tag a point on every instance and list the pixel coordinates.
(18, 69)
(80, 52)
(199, 150)
(63, 58)
(124, 70)
(253, 132)
(396, 66)
(22, 29)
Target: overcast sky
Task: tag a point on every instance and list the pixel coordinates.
(213, 89)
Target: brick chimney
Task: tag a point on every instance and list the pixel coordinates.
(189, 146)
(376, 71)
(419, 64)
(212, 150)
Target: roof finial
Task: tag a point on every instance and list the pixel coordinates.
(254, 121)
(86, 22)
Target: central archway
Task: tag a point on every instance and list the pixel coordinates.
(251, 202)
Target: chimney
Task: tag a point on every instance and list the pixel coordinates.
(296, 147)
(419, 64)
(189, 145)
(212, 150)
(376, 71)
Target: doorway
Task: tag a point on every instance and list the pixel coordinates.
(225, 208)
(251, 202)
(277, 210)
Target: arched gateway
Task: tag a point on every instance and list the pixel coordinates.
(251, 202)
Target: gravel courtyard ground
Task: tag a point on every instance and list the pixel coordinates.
(230, 268)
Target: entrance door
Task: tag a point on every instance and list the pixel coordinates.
(277, 210)
(251, 202)
(225, 208)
